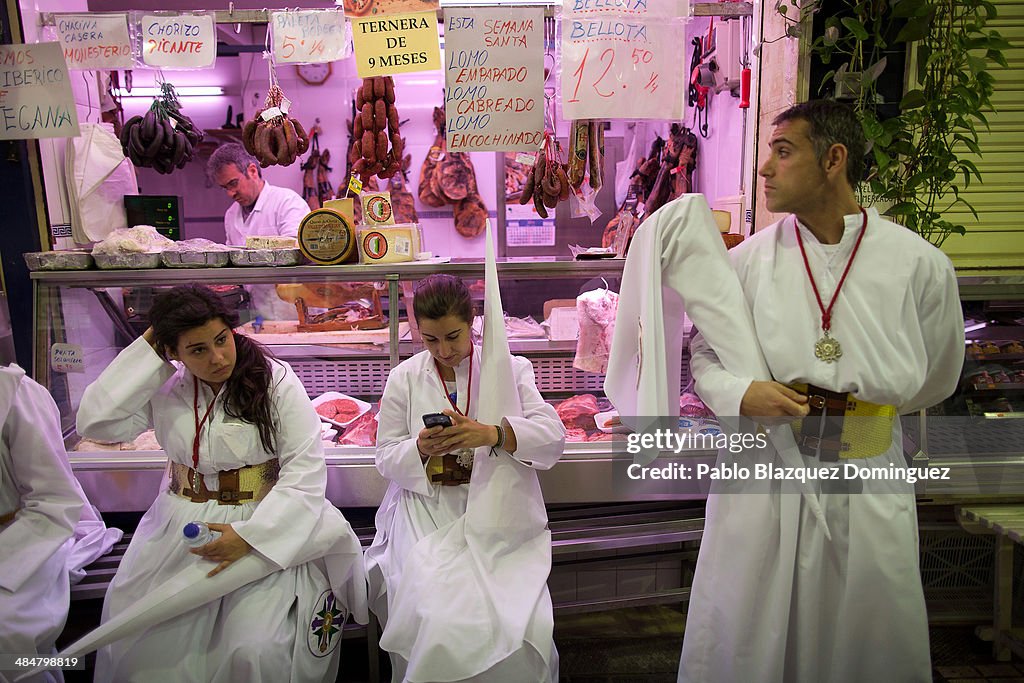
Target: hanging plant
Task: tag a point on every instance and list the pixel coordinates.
(919, 164)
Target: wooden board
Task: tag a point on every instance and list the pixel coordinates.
(285, 332)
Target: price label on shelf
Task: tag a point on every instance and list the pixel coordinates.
(308, 36)
(67, 358)
(621, 67)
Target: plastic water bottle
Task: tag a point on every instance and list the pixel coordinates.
(196, 534)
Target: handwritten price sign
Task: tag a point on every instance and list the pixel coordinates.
(35, 93)
(494, 73)
(308, 36)
(95, 41)
(184, 41)
(67, 358)
(619, 67)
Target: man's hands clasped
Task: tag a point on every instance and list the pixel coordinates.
(772, 403)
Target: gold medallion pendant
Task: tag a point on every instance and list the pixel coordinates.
(828, 349)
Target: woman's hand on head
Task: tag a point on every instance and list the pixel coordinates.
(228, 548)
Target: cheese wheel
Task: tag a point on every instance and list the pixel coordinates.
(327, 237)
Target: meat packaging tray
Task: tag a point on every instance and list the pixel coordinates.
(602, 421)
(58, 260)
(129, 260)
(194, 259)
(360, 407)
(266, 257)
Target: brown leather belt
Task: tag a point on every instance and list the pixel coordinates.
(7, 518)
(839, 425)
(445, 470)
(242, 485)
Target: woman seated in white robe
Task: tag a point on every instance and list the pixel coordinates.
(245, 456)
(429, 469)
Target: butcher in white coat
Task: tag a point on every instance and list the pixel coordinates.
(450, 610)
(245, 456)
(783, 593)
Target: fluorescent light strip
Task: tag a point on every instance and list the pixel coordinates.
(183, 91)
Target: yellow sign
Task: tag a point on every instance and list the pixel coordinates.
(396, 44)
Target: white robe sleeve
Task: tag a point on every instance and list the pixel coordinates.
(50, 503)
(116, 407)
(397, 457)
(942, 328)
(540, 434)
(721, 390)
(285, 519)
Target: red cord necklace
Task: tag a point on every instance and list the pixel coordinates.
(444, 389)
(196, 479)
(827, 348)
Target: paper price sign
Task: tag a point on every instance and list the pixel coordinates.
(494, 77)
(396, 44)
(66, 358)
(185, 41)
(95, 41)
(308, 36)
(663, 9)
(35, 93)
(616, 67)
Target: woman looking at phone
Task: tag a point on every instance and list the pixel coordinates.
(429, 468)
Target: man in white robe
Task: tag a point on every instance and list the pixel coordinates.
(781, 592)
(40, 506)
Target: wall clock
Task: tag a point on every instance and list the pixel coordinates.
(314, 74)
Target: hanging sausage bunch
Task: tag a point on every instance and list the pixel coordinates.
(586, 141)
(549, 182)
(274, 138)
(164, 139)
(377, 143)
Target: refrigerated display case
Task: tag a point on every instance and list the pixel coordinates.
(84, 318)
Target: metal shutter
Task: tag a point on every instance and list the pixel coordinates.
(997, 238)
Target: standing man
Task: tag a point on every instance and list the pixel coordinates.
(259, 210)
(824, 587)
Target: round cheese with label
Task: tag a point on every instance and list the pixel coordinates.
(327, 237)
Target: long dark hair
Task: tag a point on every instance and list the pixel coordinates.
(247, 391)
(438, 296)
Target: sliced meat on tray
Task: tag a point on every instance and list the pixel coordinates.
(362, 432)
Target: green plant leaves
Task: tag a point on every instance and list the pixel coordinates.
(917, 166)
(915, 29)
(855, 27)
(913, 100)
(909, 8)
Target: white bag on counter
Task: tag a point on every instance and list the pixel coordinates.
(98, 177)
(596, 312)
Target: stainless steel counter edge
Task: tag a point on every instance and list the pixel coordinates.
(128, 481)
(560, 267)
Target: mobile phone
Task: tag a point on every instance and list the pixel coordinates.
(437, 420)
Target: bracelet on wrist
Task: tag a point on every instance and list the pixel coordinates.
(501, 436)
